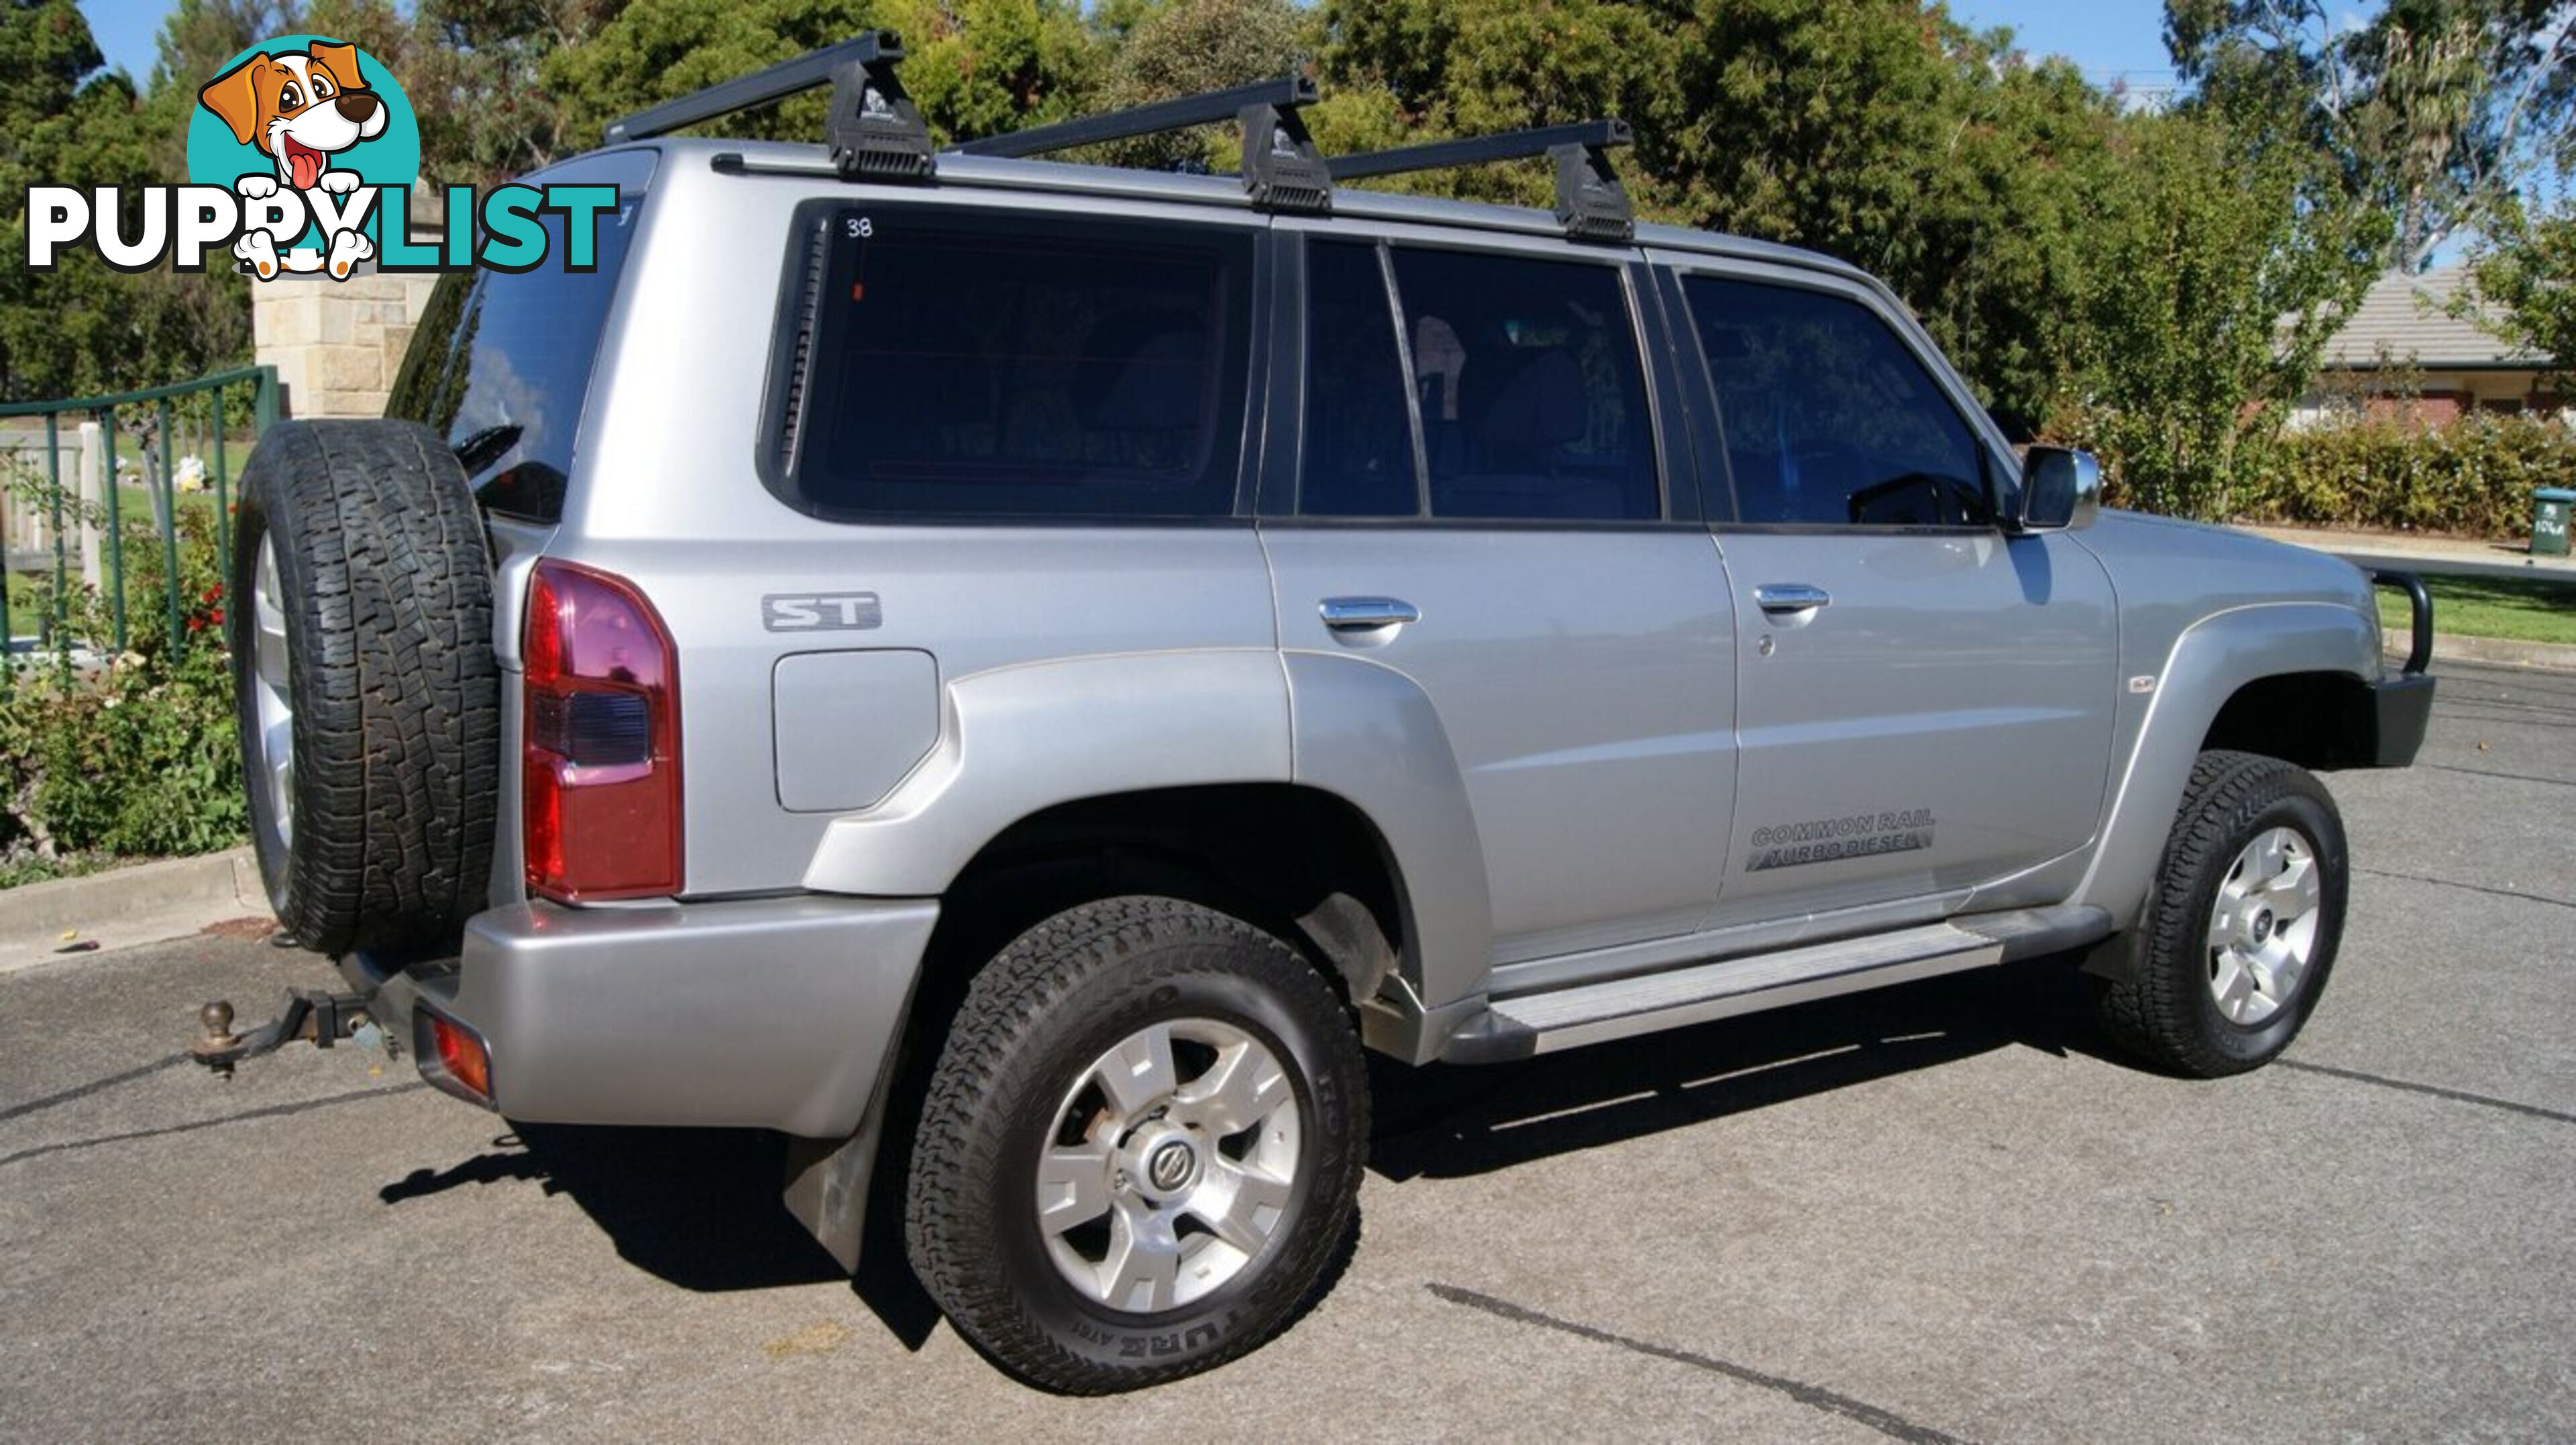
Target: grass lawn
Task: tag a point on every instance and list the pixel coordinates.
(134, 512)
(2523, 609)
(22, 605)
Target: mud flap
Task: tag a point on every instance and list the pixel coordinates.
(828, 1180)
(2116, 957)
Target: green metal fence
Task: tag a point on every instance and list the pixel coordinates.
(169, 417)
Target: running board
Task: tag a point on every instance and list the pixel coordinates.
(1566, 1018)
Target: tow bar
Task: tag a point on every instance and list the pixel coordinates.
(309, 1015)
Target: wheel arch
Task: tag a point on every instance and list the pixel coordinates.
(2220, 676)
(2318, 720)
(1304, 863)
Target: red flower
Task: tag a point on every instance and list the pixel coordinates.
(215, 618)
(213, 592)
(196, 624)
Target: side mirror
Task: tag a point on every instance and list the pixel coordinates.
(2060, 488)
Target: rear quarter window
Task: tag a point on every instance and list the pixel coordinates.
(938, 362)
(501, 364)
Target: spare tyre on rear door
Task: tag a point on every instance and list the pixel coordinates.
(364, 682)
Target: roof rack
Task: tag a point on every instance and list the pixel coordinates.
(874, 130)
(1281, 169)
(876, 133)
(1590, 203)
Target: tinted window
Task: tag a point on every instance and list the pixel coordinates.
(503, 368)
(1018, 364)
(1828, 416)
(1532, 397)
(424, 388)
(1358, 458)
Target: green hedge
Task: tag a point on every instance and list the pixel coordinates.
(2474, 476)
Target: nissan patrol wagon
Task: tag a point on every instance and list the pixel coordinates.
(1012, 674)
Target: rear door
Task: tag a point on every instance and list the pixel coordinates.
(1467, 486)
(1925, 706)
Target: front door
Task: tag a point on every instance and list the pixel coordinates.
(1474, 499)
(1925, 702)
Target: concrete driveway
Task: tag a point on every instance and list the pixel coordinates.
(1931, 1213)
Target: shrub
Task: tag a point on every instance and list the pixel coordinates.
(2474, 476)
(107, 754)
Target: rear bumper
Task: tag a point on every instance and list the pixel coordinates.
(767, 1013)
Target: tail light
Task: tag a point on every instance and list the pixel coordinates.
(601, 766)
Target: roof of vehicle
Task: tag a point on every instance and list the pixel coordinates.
(957, 169)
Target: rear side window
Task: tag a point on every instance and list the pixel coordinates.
(1829, 417)
(948, 362)
(502, 367)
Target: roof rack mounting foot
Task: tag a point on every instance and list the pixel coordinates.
(1590, 203)
(1282, 171)
(874, 130)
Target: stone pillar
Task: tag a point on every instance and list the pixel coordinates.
(337, 345)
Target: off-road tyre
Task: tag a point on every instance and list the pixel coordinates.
(2165, 1012)
(384, 576)
(1033, 1019)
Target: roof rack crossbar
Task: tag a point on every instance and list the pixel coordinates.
(1475, 150)
(1281, 169)
(874, 130)
(1590, 203)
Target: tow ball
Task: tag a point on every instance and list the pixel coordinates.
(308, 1015)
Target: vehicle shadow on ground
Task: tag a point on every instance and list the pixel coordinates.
(1447, 1122)
(699, 1208)
(696, 1207)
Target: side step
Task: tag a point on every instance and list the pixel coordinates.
(1566, 1018)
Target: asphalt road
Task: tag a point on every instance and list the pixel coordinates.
(1931, 1213)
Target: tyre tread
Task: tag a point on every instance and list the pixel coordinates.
(2155, 1014)
(961, 1139)
(397, 690)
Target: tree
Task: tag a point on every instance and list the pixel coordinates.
(2436, 109)
(1876, 130)
(1192, 46)
(1935, 157)
(1481, 66)
(976, 66)
(2215, 282)
(475, 71)
(66, 121)
(2523, 285)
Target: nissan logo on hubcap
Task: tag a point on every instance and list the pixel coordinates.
(1170, 1167)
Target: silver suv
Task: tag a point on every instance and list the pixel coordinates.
(1012, 673)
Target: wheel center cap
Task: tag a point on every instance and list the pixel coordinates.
(2263, 925)
(1170, 1166)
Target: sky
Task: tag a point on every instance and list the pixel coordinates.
(126, 31)
(2108, 38)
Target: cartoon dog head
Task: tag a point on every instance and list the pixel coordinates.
(299, 107)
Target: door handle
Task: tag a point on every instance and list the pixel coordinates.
(1358, 614)
(1778, 597)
